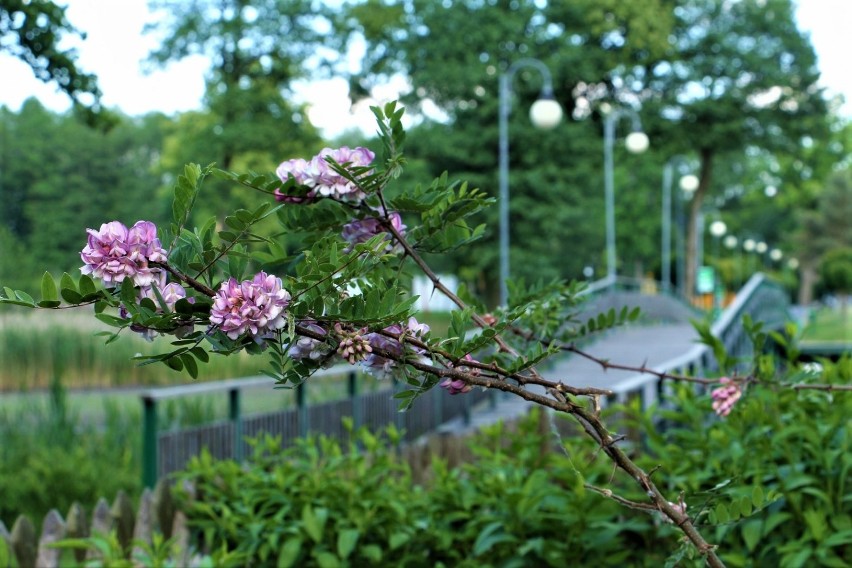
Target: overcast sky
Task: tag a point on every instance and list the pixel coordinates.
(115, 47)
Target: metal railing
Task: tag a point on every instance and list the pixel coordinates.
(762, 300)
(164, 452)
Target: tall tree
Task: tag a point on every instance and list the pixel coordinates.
(257, 49)
(33, 30)
(454, 53)
(738, 76)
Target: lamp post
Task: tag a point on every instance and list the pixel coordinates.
(717, 231)
(688, 184)
(636, 143)
(748, 246)
(761, 248)
(666, 244)
(731, 243)
(544, 113)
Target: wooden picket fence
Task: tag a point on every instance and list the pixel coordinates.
(156, 512)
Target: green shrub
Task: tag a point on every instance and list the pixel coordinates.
(774, 477)
(320, 504)
(50, 457)
(769, 484)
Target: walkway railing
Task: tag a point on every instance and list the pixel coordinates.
(760, 299)
(166, 452)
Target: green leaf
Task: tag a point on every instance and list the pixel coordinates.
(289, 553)
(757, 496)
(48, 288)
(398, 539)
(71, 295)
(87, 286)
(314, 522)
(327, 560)
(489, 536)
(346, 541)
(372, 552)
(751, 533)
(722, 514)
(190, 365)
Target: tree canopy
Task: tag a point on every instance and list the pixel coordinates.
(32, 31)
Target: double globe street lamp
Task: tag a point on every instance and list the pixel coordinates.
(545, 113)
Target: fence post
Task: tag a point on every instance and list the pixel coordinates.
(353, 397)
(302, 409)
(466, 411)
(149, 441)
(438, 417)
(236, 422)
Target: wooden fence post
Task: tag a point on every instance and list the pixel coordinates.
(24, 542)
(76, 527)
(52, 530)
(122, 516)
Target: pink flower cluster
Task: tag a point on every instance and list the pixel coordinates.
(318, 175)
(256, 306)
(362, 230)
(726, 396)
(382, 367)
(115, 252)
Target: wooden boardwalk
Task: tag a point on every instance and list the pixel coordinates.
(649, 345)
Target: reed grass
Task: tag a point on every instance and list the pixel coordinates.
(36, 346)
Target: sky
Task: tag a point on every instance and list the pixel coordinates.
(115, 47)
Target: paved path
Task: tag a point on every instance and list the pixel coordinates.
(650, 345)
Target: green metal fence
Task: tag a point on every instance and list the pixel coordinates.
(164, 452)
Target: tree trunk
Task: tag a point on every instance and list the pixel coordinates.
(692, 235)
(806, 286)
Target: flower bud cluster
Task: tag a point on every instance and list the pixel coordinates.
(115, 252)
(318, 175)
(353, 347)
(725, 396)
(255, 306)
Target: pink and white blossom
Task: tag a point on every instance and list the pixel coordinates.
(308, 348)
(362, 230)
(256, 307)
(115, 252)
(318, 175)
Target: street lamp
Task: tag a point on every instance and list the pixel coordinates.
(717, 231)
(636, 143)
(688, 185)
(731, 243)
(544, 113)
(749, 246)
(666, 244)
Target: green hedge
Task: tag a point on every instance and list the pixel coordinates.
(768, 484)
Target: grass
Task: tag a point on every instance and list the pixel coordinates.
(36, 346)
(828, 326)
